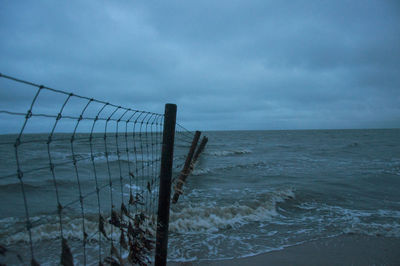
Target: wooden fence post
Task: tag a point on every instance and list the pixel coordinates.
(199, 150)
(164, 197)
(186, 168)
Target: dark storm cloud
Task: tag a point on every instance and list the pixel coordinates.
(227, 64)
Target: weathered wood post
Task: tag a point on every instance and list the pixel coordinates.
(164, 197)
(186, 168)
(199, 150)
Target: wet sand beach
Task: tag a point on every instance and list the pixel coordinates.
(349, 249)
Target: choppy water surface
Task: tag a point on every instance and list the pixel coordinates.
(251, 192)
(258, 191)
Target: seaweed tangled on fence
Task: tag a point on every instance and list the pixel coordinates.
(68, 162)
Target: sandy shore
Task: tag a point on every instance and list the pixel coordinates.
(342, 250)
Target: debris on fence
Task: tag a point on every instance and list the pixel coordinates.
(135, 237)
(66, 255)
(113, 154)
(189, 164)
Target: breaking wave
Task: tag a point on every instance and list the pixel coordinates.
(209, 217)
(45, 228)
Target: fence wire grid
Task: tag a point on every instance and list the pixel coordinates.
(79, 177)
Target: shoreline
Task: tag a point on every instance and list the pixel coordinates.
(348, 249)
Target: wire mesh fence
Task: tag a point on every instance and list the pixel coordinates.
(79, 177)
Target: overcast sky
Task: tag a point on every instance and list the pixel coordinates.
(226, 64)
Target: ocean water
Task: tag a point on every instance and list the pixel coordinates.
(250, 192)
(116, 167)
(258, 191)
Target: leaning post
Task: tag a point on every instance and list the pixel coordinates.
(186, 168)
(164, 197)
(199, 150)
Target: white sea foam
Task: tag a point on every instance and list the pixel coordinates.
(228, 152)
(201, 171)
(134, 188)
(369, 222)
(207, 231)
(210, 217)
(374, 229)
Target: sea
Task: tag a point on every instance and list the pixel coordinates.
(250, 192)
(258, 191)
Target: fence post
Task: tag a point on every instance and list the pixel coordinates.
(164, 197)
(200, 149)
(186, 168)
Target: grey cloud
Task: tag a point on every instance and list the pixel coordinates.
(227, 64)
